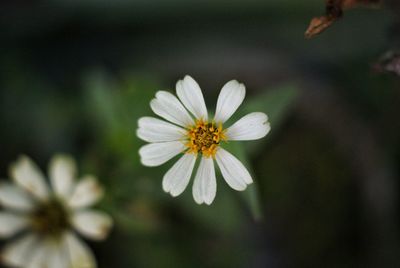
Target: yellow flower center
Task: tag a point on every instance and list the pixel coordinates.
(204, 138)
(50, 218)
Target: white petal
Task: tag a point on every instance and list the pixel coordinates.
(229, 99)
(80, 254)
(39, 256)
(62, 171)
(190, 94)
(170, 108)
(86, 193)
(177, 177)
(11, 224)
(233, 171)
(14, 198)
(156, 130)
(92, 224)
(155, 154)
(58, 255)
(205, 184)
(250, 127)
(16, 253)
(27, 175)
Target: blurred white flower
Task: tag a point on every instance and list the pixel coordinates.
(192, 134)
(43, 219)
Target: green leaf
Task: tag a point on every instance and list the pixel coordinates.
(251, 194)
(277, 104)
(114, 109)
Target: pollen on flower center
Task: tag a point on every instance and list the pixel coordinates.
(50, 218)
(204, 138)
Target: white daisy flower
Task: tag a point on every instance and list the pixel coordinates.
(43, 220)
(189, 131)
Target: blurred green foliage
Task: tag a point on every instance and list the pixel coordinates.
(77, 75)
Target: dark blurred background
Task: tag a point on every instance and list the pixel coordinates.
(76, 75)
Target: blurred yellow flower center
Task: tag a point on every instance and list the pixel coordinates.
(50, 218)
(204, 138)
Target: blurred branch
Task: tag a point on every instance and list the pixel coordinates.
(389, 62)
(334, 11)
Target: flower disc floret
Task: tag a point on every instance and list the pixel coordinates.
(205, 138)
(51, 218)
